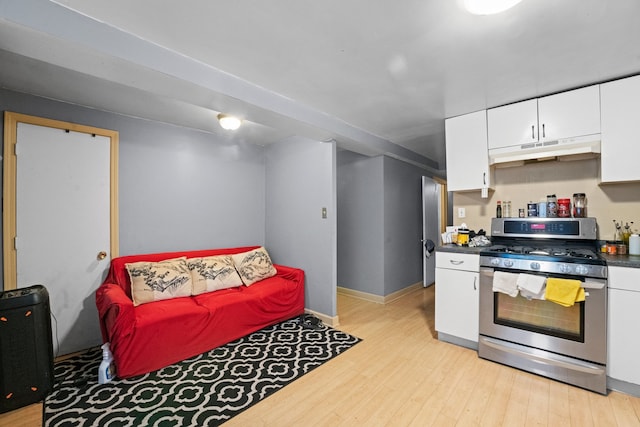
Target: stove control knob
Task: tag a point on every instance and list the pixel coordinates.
(582, 269)
(535, 266)
(508, 263)
(564, 268)
(495, 261)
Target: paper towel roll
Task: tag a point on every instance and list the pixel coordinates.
(634, 244)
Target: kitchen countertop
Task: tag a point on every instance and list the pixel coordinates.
(629, 261)
(459, 249)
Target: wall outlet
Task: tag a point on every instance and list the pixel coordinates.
(462, 213)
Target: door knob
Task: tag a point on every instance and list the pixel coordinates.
(102, 255)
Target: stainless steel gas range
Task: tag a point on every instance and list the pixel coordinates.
(518, 326)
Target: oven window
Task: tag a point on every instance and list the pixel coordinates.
(544, 317)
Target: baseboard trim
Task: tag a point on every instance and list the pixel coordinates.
(377, 298)
(332, 321)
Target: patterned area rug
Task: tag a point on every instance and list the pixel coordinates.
(205, 390)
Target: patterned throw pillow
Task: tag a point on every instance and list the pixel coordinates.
(213, 273)
(155, 281)
(254, 265)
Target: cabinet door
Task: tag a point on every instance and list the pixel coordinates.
(569, 114)
(513, 124)
(457, 303)
(466, 150)
(620, 108)
(623, 319)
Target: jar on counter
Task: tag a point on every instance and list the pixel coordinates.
(579, 205)
(542, 209)
(564, 208)
(622, 248)
(552, 206)
(612, 247)
(506, 209)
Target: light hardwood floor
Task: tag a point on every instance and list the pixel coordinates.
(400, 375)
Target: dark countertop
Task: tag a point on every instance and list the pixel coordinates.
(459, 249)
(629, 261)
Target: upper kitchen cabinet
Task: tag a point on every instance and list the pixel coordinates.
(513, 124)
(571, 114)
(620, 130)
(466, 150)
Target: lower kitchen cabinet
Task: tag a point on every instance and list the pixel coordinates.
(623, 319)
(457, 280)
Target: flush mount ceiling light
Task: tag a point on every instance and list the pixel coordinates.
(229, 122)
(489, 7)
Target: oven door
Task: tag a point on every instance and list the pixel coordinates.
(577, 332)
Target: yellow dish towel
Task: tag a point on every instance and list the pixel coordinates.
(565, 292)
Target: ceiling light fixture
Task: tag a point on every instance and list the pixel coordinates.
(489, 7)
(229, 122)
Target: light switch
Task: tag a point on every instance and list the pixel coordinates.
(462, 212)
(324, 213)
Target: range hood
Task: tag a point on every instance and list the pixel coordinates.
(576, 148)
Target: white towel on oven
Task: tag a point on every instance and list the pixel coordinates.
(531, 286)
(504, 282)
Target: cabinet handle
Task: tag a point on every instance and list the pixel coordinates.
(455, 262)
(533, 133)
(543, 134)
(484, 178)
(474, 283)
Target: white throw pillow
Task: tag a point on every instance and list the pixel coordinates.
(254, 265)
(155, 281)
(213, 273)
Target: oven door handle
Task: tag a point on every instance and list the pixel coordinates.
(574, 365)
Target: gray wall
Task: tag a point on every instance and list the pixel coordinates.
(379, 223)
(360, 222)
(178, 188)
(300, 182)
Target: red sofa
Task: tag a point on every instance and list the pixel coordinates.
(150, 336)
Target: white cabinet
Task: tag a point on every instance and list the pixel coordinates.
(466, 150)
(513, 124)
(569, 114)
(457, 281)
(623, 347)
(620, 130)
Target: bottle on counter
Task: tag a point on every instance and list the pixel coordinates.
(506, 209)
(499, 210)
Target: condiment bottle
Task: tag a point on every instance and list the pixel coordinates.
(499, 210)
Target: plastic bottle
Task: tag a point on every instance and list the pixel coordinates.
(106, 371)
(499, 210)
(634, 244)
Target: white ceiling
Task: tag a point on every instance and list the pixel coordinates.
(379, 77)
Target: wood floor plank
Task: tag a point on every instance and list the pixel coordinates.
(623, 409)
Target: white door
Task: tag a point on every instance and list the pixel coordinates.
(431, 214)
(63, 226)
